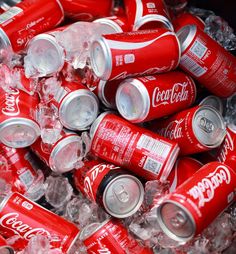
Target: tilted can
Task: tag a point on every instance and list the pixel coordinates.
(197, 129)
(206, 61)
(197, 202)
(120, 193)
(145, 14)
(21, 217)
(26, 19)
(117, 56)
(213, 101)
(139, 150)
(4, 247)
(110, 237)
(17, 113)
(146, 98)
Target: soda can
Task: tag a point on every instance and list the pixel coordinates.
(26, 219)
(206, 61)
(117, 56)
(4, 247)
(143, 14)
(146, 98)
(26, 19)
(197, 129)
(6, 5)
(110, 237)
(197, 202)
(213, 101)
(120, 193)
(18, 128)
(62, 156)
(77, 106)
(139, 150)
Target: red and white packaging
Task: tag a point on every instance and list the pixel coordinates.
(87, 10)
(4, 247)
(146, 98)
(197, 202)
(23, 21)
(21, 217)
(121, 55)
(110, 237)
(145, 14)
(206, 61)
(139, 150)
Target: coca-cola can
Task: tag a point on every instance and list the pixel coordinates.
(139, 150)
(144, 14)
(26, 19)
(196, 129)
(26, 219)
(120, 193)
(4, 247)
(117, 56)
(61, 156)
(110, 237)
(77, 106)
(206, 61)
(197, 202)
(17, 125)
(213, 101)
(146, 98)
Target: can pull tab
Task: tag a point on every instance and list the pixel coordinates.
(121, 194)
(179, 219)
(206, 124)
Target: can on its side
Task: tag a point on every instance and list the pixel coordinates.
(213, 101)
(4, 247)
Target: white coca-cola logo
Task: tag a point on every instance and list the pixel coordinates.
(173, 130)
(204, 190)
(10, 221)
(227, 146)
(176, 94)
(11, 107)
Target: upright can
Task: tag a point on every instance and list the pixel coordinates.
(4, 247)
(146, 98)
(139, 150)
(206, 61)
(196, 203)
(117, 56)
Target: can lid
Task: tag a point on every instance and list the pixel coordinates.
(6, 250)
(213, 101)
(123, 196)
(186, 35)
(132, 100)
(208, 126)
(101, 93)
(108, 26)
(65, 153)
(78, 109)
(4, 40)
(45, 54)
(176, 221)
(19, 132)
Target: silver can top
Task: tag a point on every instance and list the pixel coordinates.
(19, 132)
(208, 126)
(123, 196)
(108, 26)
(79, 109)
(213, 101)
(4, 41)
(132, 100)
(176, 221)
(186, 36)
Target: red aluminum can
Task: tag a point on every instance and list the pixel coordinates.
(17, 125)
(26, 219)
(139, 150)
(143, 14)
(197, 129)
(117, 56)
(110, 237)
(197, 202)
(146, 98)
(120, 193)
(30, 17)
(4, 247)
(87, 10)
(207, 61)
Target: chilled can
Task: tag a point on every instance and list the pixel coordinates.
(6, 5)
(206, 61)
(4, 247)
(143, 14)
(17, 125)
(139, 150)
(146, 98)
(110, 237)
(17, 212)
(120, 193)
(197, 202)
(213, 101)
(117, 56)
(26, 19)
